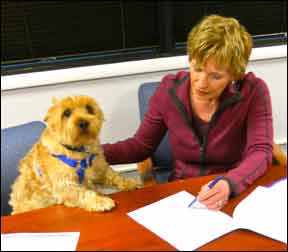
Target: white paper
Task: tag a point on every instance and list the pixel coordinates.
(263, 211)
(125, 167)
(63, 241)
(184, 228)
(279, 186)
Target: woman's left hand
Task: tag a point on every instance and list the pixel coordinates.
(215, 198)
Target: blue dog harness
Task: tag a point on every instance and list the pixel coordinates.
(84, 163)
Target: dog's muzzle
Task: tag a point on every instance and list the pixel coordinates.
(83, 125)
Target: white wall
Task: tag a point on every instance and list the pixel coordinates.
(274, 72)
(117, 95)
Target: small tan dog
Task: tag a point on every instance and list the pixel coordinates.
(67, 162)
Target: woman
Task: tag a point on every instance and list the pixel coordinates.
(218, 118)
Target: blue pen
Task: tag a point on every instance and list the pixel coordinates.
(211, 185)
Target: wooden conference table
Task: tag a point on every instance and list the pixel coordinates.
(115, 230)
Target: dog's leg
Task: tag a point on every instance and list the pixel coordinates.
(102, 173)
(75, 195)
(28, 196)
(113, 178)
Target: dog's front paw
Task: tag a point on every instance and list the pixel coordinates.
(100, 204)
(129, 184)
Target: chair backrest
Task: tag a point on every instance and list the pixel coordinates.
(15, 143)
(162, 161)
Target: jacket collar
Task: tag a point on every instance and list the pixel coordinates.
(179, 92)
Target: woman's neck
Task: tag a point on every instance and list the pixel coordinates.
(204, 108)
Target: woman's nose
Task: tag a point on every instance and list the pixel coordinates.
(202, 81)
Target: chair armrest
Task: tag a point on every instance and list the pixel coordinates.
(279, 156)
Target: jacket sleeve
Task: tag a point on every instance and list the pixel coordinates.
(148, 136)
(257, 155)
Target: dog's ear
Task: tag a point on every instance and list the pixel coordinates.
(101, 114)
(46, 117)
(55, 100)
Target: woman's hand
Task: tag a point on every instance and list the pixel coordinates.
(215, 198)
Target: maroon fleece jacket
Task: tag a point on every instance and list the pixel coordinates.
(238, 141)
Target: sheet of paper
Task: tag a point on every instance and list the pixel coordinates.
(279, 186)
(125, 167)
(265, 212)
(184, 228)
(40, 241)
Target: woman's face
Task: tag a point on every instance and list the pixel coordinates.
(208, 83)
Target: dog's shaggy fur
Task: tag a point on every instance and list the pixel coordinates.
(73, 126)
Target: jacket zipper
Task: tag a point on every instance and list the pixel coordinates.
(202, 141)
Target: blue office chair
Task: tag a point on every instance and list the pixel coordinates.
(161, 159)
(15, 143)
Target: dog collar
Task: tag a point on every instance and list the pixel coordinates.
(74, 148)
(74, 163)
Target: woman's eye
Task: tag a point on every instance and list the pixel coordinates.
(90, 110)
(197, 69)
(217, 77)
(67, 112)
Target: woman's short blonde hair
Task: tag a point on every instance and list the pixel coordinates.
(222, 38)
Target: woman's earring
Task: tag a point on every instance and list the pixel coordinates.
(233, 82)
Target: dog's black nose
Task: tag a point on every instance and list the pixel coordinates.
(83, 124)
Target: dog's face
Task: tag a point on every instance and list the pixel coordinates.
(74, 120)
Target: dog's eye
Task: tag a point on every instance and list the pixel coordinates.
(89, 109)
(67, 112)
